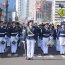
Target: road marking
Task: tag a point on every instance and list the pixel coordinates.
(9, 54)
(39, 56)
(49, 56)
(15, 54)
(63, 56)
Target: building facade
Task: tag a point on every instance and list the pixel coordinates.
(58, 9)
(40, 10)
(21, 9)
(2, 15)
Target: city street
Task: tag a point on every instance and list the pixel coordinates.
(52, 59)
(55, 60)
(45, 60)
(32, 32)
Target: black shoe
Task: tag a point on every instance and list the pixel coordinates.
(31, 58)
(45, 54)
(16, 54)
(62, 54)
(12, 53)
(42, 54)
(28, 58)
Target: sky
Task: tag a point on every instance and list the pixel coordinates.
(11, 4)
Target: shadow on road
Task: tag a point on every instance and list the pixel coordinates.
(22, 53)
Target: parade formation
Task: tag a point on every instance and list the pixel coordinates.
(13, 34)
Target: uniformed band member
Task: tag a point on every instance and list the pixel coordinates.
(61, 36)
(19, 30)
(39, 40)
(10, 37)
(45, 39)
(14, 38)
(2, 37)
(30, 40)
(57, 39)
(8, 34)
(41, 26)
(53, 35)
(5, 28)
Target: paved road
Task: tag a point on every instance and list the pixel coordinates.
(52, 59)
(38, 60)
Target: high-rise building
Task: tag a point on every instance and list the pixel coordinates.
(21, 9)
(58, 9)
(37, 9)
(44, 11)
(32, 9)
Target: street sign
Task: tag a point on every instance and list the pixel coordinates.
(61, 12)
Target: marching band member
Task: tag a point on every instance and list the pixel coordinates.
(24, 33)
(2, 37)
(19, 29)
(5, 28)
(61, 36)
(36, 37)
(45, 39)
(30, 40)
(14, 38)
(57, 39)
(36, 31)
(8, 34)
(39, 33)
(40, 36)
(52, 35)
